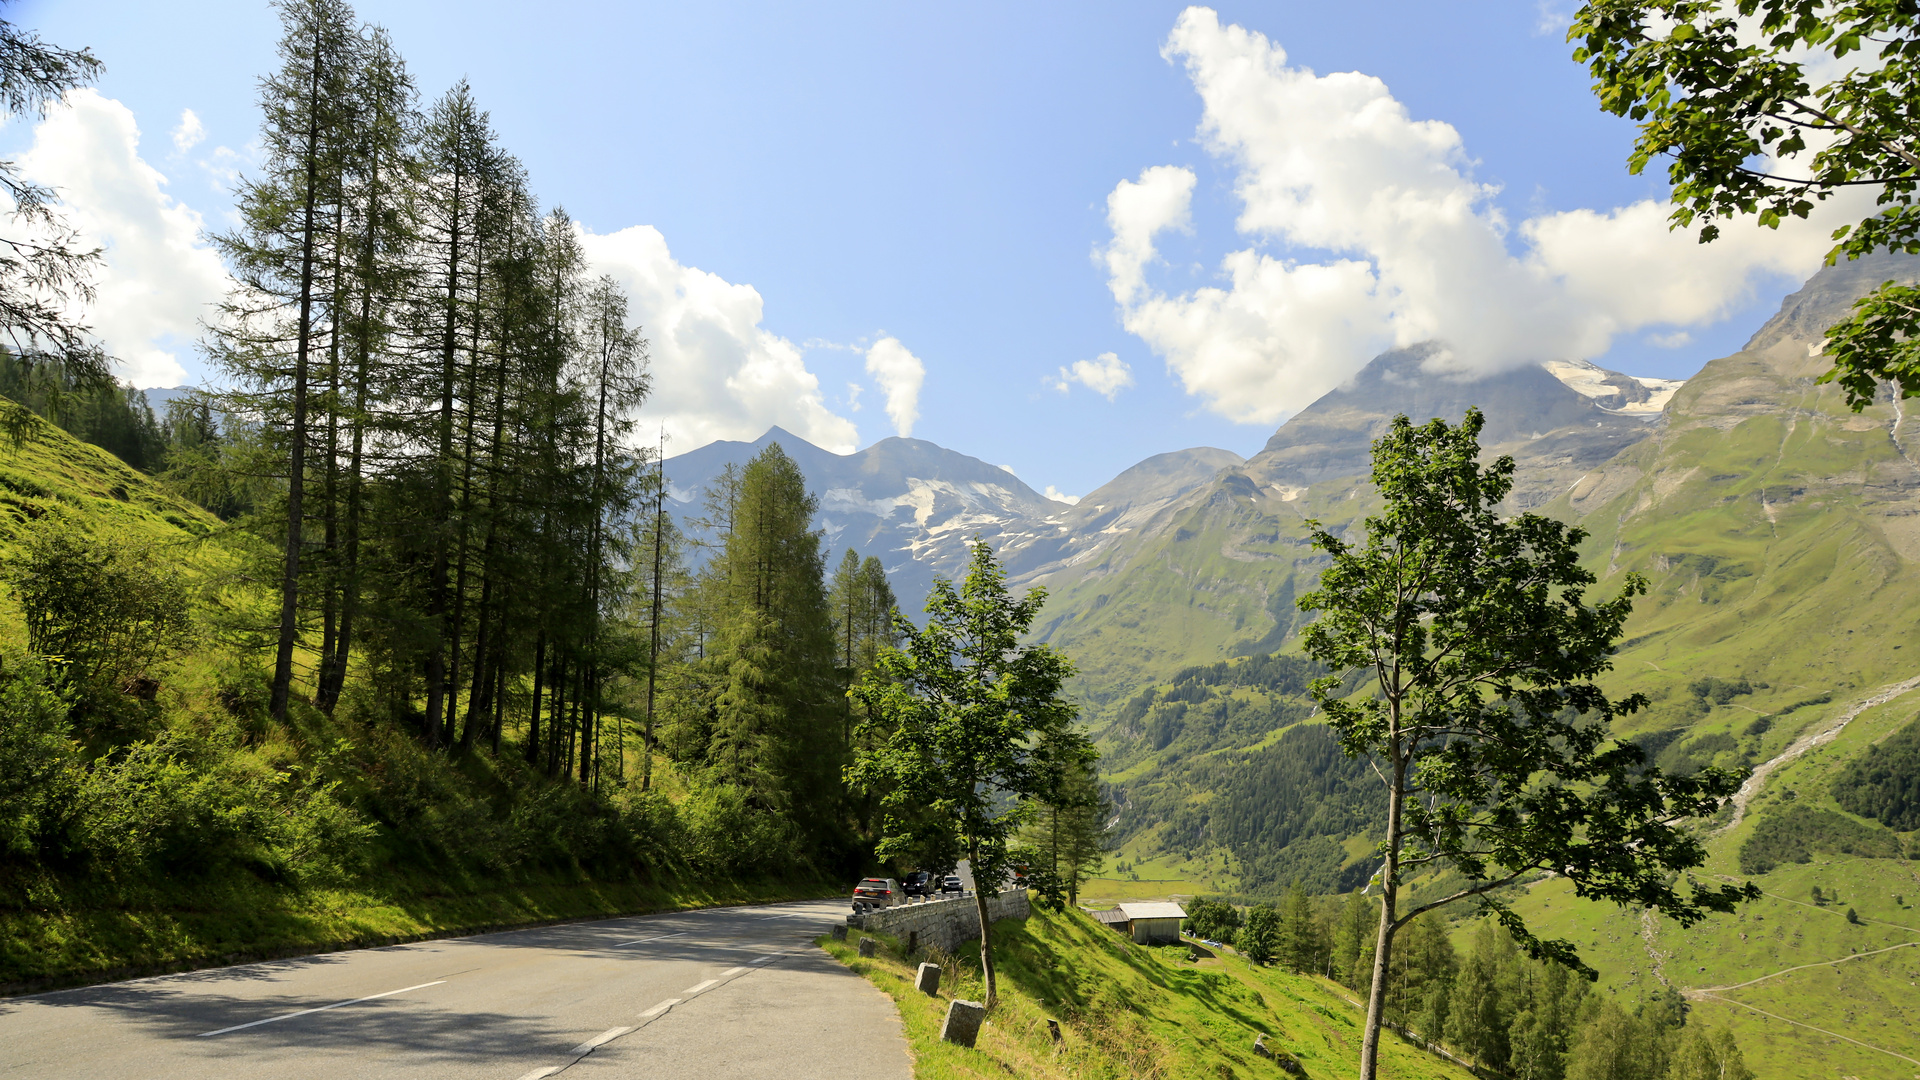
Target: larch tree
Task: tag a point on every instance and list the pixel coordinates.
(281, 314)
(46, 270)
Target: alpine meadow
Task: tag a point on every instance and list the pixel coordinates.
(443, 634)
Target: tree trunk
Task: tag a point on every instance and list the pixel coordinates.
(986, 929)
(443, 478)
(653, 627)
(331, 684)
(1383, 941)
(297, 456)
(533, 717)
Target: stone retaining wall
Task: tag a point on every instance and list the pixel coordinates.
(945, 923)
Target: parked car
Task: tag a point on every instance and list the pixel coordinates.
(877, 892)
(951, 883)
(919, 883)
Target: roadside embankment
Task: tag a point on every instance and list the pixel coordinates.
(1123, 1010)
(54, 941)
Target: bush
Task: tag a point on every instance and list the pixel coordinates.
(38, 761)
(101, 612)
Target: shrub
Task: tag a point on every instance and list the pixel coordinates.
(1884, 782)
(104, 613)
(37, 759)
(1795, 833)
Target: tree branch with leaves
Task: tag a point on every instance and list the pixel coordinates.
(1737, 96)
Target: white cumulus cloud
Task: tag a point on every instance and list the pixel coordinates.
(718, 374)
(1368, 230)
(159, 279)
(1054, 494)
(900, 375)
(1105, 375)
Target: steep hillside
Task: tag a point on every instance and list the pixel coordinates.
(1215, 573)
(50, 470)
(1127, 1010)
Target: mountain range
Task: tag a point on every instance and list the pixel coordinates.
(1778, 531)
(916, 504)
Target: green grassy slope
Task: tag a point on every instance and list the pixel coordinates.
(1780, 534)
(51, 471)
(454, 846)
(1127, 1011)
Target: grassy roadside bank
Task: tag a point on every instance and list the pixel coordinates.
(61, 944)
(1126, 1011)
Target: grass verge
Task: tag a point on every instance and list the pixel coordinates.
(1126, 1011)
(48, 945)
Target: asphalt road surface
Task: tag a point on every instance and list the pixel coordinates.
(721, 993)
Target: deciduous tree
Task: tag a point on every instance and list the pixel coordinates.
(1479, 712)
(967, 726)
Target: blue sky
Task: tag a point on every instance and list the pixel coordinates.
(940, 179)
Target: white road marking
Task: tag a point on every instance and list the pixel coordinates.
(538, 1073)
(784, 915)
(709, 984)
(604, 1037)
(644, 940)
(323, 1008)
(660, 1009)
(764, 959)
(731, 972)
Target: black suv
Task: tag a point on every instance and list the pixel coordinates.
(919, 883)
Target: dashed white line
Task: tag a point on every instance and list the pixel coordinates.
(606, 1036)
(323, 1008)
(538, 1073)
(660, 1009)
(703, 987)
(731, 972)
(769, 957)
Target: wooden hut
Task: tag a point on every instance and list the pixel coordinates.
(1152, 924)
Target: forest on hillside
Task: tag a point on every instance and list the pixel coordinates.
(424, 634)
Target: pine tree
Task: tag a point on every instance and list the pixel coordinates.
(1065, 839)
(1477, 1021)
(1353, 932)
(776, 713)
(376, 236)
(43, 282)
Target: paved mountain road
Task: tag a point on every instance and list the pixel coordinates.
(722, 992)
